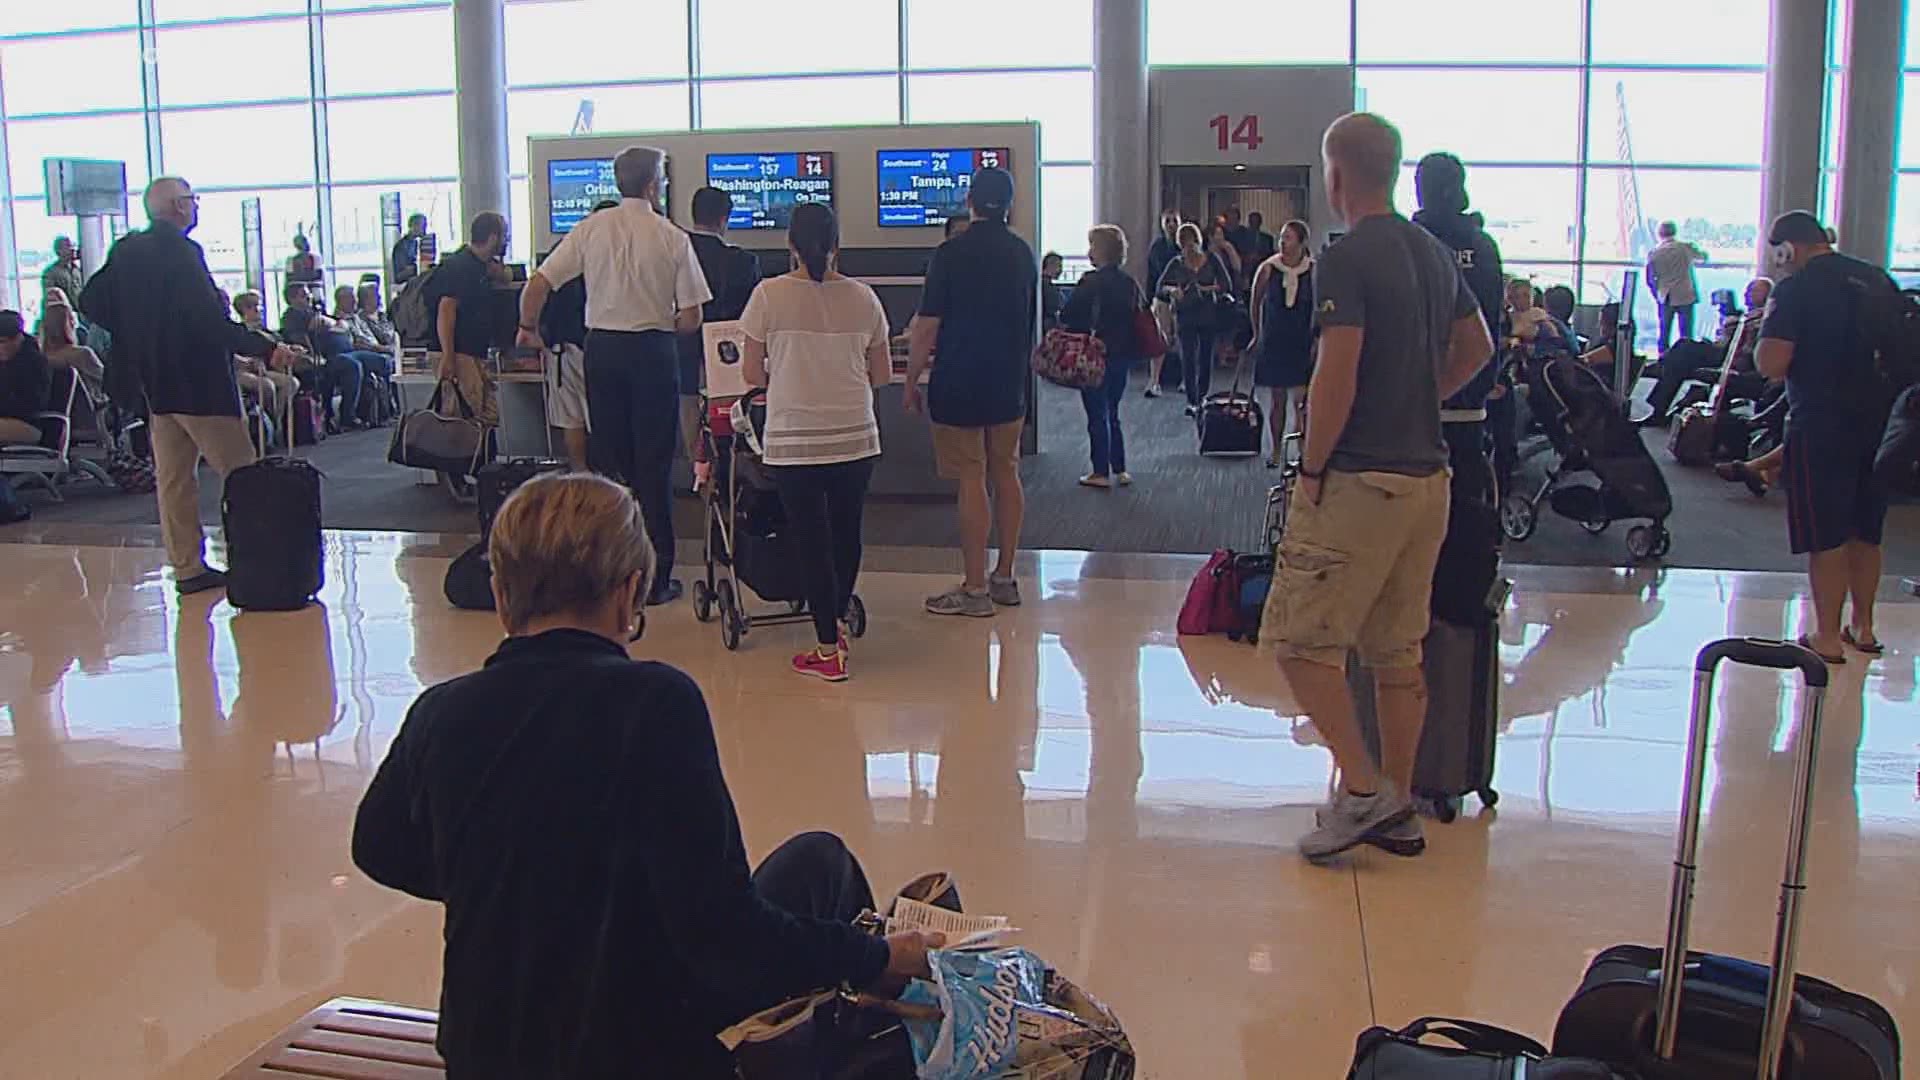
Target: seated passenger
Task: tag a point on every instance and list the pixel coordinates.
(367, 307)
(365, 345)
(60, 340)
(274, 389)
(1688, 358)
(322, 336)
(26, 382)
(1600, 357)
(566, 803)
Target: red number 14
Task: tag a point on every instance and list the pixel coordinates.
(1245, 133)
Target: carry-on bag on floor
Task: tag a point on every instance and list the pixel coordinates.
(1472, 1051)
(1669, 1014)
(1462, 667)
(270, 513)
(498, 479)
(1231, 422)
(1691, 440)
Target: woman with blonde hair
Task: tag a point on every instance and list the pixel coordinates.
(566, 803)
(1103, 304)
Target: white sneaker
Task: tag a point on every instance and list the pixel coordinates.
(1353, 820)
(1095, 480)
(1123, 479)
(1406, 839)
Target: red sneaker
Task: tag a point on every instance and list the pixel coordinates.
(830, 668)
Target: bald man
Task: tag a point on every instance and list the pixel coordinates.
(1400, 330)
(171, 327)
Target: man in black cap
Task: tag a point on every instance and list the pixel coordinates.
(1818, 337)
(1440, 185)
(977, 313)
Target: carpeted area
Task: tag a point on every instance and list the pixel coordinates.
(1179, 503)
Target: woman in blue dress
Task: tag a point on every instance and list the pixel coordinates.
(1283, 334)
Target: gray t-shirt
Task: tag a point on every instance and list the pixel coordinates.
(1403, 289)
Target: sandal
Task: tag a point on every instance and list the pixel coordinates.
(1738, 472)
(1871, 648)
(1807, 643)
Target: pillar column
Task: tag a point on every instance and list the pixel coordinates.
(1123, 169)
(1796, 96)
(1870, 127)
(480, 98)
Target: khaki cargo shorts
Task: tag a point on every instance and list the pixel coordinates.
(1355, 571)
(962, 452)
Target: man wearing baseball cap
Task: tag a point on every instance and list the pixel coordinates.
(1816, 336)
(977, 314)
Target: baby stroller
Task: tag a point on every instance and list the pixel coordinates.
(746, 541)
(1589, 433)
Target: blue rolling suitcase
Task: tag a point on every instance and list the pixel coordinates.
(1670, 1013)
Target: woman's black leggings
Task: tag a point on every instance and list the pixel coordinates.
(824, 504)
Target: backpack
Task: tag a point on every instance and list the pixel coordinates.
(413, 312)
(1892, 321)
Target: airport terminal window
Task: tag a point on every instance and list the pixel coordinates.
(653, 107)
(1529, 212)
(1247, 32)
(1680, 31)
(554, 44)
(1061, 101)
(389, 51)
(751, 103)
(1002, 34)
(749, 37)
(1416, 31)
(1487, 115)
(393, 138)
(64, 75)
(252, 61)
(1066, 208)
(70, 15)
(282, 212)
(166, 11)
(1679, 118)
(1714, 208)
(29, 142)
(356, 218)
(203, 145)
(1906, 220)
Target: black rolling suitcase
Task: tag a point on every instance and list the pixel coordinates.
(1231, 423)
(498, 479)
(1669, 1013)
(270, 512)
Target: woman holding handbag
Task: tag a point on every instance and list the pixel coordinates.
(1196, 282)
(1103, 304)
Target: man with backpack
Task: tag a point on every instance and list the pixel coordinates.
(1822, 335)
(731, 273)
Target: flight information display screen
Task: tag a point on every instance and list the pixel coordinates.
(926, 187)
(766, 187)
(574, 188)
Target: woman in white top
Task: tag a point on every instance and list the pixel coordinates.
(818, 342)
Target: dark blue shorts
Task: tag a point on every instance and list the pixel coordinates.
(1832, 496)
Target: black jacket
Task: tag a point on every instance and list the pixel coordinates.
(168, 323)
(1479, 259)
(26, 382)
(567, 806)
(732, 274)
(1115, 297)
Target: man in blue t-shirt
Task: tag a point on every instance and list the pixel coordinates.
(1816, 337)
(977, 315)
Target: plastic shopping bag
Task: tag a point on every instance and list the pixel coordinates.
(1005, 1016)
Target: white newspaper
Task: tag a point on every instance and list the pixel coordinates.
(914, 915)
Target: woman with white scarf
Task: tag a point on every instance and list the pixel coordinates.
(1283, 330)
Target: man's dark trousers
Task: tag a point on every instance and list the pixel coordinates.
(633, 407)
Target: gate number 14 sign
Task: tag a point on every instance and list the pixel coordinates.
(1230, 132)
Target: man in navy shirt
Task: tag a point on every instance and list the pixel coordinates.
(1816, 337)
(977, 314)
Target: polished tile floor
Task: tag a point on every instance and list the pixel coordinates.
(177, 783)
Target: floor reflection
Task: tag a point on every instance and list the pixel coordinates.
(178, 780)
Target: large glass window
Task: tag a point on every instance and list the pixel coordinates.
(270, 144)
(1263, 32)
(399, 138)
(282, 213)
(1715, 209)
(1066, 208)
(252, 61)
(389, 51)
(77, 74)
(751, 103)
(1062, 103)
(357, 240)
(167, 11)
(1006, 33)
(1679, 31)
(30, 142)
(1492, 115)
(651, 107)
(1666, 130)
(558, 43)
(751, 37)
(1906, 220)
(1528, 212)
(1420, 31)
(28, 18)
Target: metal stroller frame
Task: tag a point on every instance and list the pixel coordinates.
(721, 593)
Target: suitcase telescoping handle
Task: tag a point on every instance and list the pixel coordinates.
(1781, 656)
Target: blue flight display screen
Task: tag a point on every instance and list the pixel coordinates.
(766, 187)
(926, 187)
(574, 188)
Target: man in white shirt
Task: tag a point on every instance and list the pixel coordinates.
(643, 285)
(1670, 279)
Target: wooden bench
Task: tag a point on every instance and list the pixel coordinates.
(351, 1039)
